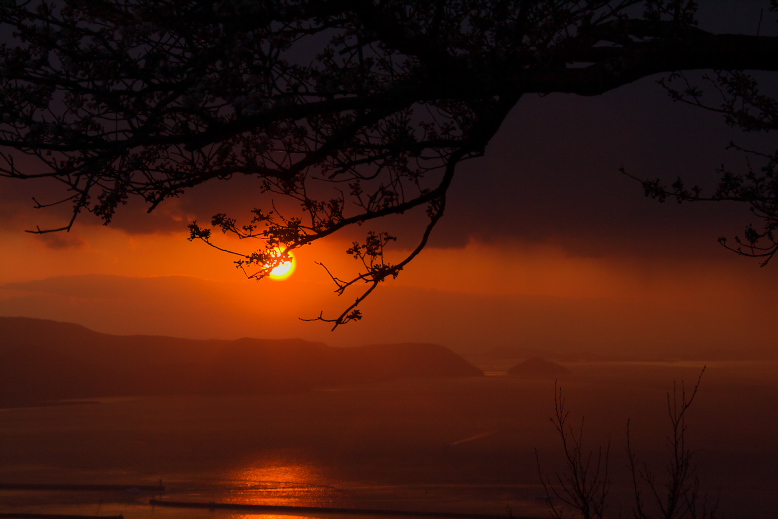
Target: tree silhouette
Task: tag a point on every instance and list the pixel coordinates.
(744, 106)
(581, 489)
(354, 110)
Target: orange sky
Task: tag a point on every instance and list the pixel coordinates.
(545, 247)
(470, 298)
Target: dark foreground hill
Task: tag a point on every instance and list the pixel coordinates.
(42, 359)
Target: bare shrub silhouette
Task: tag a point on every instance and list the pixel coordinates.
(584, 483)
(679, 496)
(581, 489)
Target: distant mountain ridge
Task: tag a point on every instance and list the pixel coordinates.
(42, 359)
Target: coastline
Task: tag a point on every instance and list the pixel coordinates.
(18, 515)
(82, 487)
(295, 510)
(21, 404)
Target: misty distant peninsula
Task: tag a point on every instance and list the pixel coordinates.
(41, 359)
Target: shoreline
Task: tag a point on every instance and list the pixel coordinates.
(82, 488)
(19, 515)
(22, 403)
(281, 509)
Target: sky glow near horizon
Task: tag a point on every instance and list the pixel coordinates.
(544, 245)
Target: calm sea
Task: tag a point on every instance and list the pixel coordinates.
(464, 446)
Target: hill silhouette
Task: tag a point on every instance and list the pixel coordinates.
(41, 359)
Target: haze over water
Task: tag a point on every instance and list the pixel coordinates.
(462, 445)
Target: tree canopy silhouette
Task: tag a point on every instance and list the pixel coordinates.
(355, 110)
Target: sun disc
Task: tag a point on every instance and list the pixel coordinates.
(284, 270)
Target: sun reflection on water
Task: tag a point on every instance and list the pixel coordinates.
(270, 516)
(280, 481)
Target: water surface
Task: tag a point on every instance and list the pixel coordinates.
(465, 445)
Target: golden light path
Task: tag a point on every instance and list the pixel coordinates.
(281, 479)
(284, 270)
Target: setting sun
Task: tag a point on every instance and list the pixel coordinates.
(285, 269)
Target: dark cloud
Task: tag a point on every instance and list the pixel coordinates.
(552, 174)
(106, 286)
(737, 16)
(62, 240)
